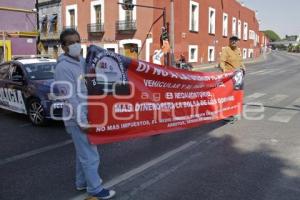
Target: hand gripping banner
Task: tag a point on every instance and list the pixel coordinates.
(132, 98)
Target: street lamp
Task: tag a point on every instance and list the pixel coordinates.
(172, 34)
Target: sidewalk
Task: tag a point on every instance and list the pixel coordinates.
(293, 54)
(215, 64)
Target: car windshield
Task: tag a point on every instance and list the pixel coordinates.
(40, 71)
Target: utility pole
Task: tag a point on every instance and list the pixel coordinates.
(172, 34)
(37, 25)
(166, 56)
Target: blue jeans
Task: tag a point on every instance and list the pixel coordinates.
(87, 161)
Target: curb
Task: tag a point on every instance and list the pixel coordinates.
(214, 65)
(204, 67)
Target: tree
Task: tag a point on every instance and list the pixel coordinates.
(272, 35)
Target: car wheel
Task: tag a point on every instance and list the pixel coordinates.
(36, 112)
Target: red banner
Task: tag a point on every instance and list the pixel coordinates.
(129, 98)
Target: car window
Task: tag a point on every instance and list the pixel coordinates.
(40, 71)
(4, 71)
(15, 70)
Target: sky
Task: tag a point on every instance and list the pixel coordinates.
(281, 16)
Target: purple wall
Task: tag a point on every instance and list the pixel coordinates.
(16, 21)
(23, 46)
(24, 4)
(11, 21)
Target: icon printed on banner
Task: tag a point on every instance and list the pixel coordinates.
(111, 75)
(169, 95)
(145, 95)
(156, 96)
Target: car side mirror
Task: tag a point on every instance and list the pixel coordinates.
(17, 78)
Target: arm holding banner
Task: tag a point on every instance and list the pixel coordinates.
(243, 67)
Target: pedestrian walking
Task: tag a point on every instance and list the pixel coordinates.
(231, 59)
(70, 69)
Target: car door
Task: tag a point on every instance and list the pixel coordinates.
(15, 87)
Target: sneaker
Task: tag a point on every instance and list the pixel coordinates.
(231, 119)
(81, 188)
(105, 194)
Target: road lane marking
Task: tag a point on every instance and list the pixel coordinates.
(269, 72)
(284, 115)
(254, 96)
(34, 152)
(275, 99)
(268, 102)
(141, 187)
(281, 72)
(296, 103)
(257, 72)
(144, 167)
(148, 182)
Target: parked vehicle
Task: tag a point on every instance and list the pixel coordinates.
(25, 88)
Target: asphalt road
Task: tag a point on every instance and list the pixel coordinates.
(255, 159)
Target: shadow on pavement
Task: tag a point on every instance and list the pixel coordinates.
(212, 170)
(217, 172)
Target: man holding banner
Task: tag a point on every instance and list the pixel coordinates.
(231, 59)
(70, 81)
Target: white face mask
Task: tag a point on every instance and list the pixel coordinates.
(74, 50)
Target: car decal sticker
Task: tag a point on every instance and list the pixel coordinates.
(12, 99)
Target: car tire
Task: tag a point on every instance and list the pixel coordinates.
(36, 112)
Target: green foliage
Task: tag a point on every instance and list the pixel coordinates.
(297, 48)
(272, 35)
(290, 48)
(294, 49)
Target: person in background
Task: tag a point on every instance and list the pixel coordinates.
(231, 59)
(182, 58)
(70, 68)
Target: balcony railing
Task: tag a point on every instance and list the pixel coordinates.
(67, 27)
(95, 28)
(126, 26)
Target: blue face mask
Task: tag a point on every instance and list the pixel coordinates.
(74, 50)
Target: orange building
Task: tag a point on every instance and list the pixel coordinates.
(106, 24)
(201, 27)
